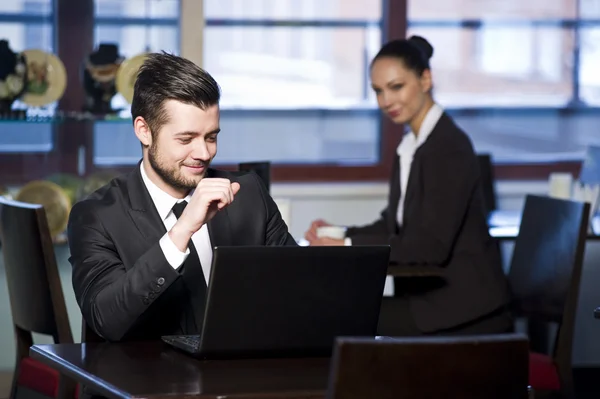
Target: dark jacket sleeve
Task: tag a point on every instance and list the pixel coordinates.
(112, 299)
(448, 181)
(277, 233)
(377, 228)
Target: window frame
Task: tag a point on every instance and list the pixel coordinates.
(392, 11)
(576, 106)
(74, 25)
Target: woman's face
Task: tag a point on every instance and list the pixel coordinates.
(401, 93)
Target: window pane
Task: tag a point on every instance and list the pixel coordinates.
(133, 40)
(589, 8)
(20, 137)
(491, 9)
(293, 9)
(138, 8)
(37, 7)
(305, 137)
(589, 78)
(23, 36)
(496, 66)
(530, 136)
(291, 67)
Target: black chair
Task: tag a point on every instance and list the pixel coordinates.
(262, 169)
(544, 278)
(36, 298)
(485, 366)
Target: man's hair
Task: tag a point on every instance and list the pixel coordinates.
(165, 77)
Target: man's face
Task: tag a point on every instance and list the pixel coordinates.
(182, 150)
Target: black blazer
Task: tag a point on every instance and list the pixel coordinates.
(123, 283)
(444, 224)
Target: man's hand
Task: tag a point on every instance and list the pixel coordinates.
(211, 196)
(311, 234)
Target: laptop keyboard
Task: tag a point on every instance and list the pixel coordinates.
(189, 343)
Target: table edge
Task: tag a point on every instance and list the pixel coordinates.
(81, 376)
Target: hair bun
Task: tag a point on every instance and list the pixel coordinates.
(422, 44)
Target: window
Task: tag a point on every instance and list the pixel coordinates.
(518, 76)
(25, 24)
(293, 74)
(137, 26)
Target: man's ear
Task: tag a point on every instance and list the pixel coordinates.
(426, 81)
(142, 131)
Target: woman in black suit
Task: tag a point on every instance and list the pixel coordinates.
(435, 214)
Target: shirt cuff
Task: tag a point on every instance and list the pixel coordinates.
(174, 256)
(348, 242)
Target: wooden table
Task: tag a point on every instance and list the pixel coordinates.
(154, 370)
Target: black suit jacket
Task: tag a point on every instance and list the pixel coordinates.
(444, 224)
(123, 283)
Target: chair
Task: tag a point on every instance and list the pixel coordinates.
(36, 297)
(486, 170)
(544, 279)
(262, 170)
(485, 366)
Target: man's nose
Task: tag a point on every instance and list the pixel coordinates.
(200, 151)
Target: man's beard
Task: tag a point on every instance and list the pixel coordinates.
(170, 176)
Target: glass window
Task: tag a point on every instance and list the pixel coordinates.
(137, 8)
(589, 78)
(501, 66)
(294, 9)
(518, 55)
(274, 67)
(26, 35)
(137, 26)
(135, 39)
(492, 9)
(28, 7)
(27, 24)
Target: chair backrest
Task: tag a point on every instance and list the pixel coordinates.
(34, 287)
(262, 169)
(486, 366)
(545, 271)
(486, 170)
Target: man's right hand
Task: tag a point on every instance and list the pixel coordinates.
(211, 196)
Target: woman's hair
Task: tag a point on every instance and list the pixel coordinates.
(414, 53)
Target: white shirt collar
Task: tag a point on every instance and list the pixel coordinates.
(162, 201)
(410, 141)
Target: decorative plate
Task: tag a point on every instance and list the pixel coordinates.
(46, 78)
(53, 198)
(127, 74)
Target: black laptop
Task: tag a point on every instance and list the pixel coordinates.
(288, 301)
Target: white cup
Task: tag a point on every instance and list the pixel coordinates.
(560, 185)
(337, 232)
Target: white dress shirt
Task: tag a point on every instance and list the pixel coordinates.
(164, 205)
(407, 148)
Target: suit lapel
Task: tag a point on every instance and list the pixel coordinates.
(143, 213)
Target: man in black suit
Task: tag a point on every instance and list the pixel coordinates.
(141, 246)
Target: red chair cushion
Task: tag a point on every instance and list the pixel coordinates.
(542, 372)
(39, 377)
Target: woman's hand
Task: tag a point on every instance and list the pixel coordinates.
(327, 242)
(311, 233)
